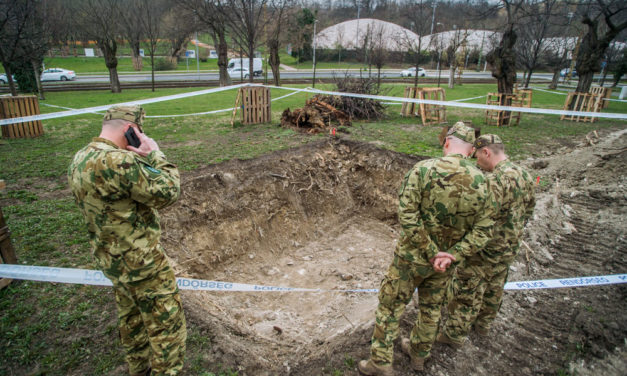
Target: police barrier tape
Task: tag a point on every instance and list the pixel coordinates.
(97, 278)
(542, 111)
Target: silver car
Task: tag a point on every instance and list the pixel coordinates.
(57, 74)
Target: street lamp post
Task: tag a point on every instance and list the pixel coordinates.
(433, 16)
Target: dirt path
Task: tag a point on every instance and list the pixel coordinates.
(324, 216)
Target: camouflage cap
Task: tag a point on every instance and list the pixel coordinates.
(462, 131)
(133, 114)
(485, 140)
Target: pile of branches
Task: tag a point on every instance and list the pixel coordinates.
(358, 108)
(317, 115)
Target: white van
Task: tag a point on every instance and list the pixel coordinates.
(243, 63)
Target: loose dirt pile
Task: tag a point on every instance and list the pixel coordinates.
(324, 216)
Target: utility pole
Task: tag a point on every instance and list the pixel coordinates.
(314, 54)
(197, 59)
(433, 16)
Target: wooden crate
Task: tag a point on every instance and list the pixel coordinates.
(605, 92)
(584, 102)
(256, 106)
(526, 95)
(429, 113)
(501, 117)
(12, 107)
(7, 253)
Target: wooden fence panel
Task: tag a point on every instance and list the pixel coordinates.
(12, 107)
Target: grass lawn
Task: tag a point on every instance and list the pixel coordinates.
(57, 329)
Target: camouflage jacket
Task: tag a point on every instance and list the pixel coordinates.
(444, 205)
(119, 193)
(513, 189)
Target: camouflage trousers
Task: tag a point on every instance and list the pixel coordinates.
(151, 321)
(465, 298)
(493, 295)
(396, 291)
(477, 296)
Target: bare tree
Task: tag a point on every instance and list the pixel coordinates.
(532, 36)
(178, 24)
(98, 19)
(277, 19)
(209, 15)
(246, 23)
(604, 20)
(14, 21)
(503, 57)
(150, 14)
(419, 14)
(132, 30)
(379, 50)
(457, 40)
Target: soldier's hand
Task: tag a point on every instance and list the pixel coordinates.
(147, 145)
(441, 261)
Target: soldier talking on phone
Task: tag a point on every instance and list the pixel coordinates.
(119, 181)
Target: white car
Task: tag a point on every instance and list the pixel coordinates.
(57, 74)
(4, 79)
(411, 72)
(236, 73)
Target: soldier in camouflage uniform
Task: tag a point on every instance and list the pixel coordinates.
(119, 189)
(445, 214)
(478, 286)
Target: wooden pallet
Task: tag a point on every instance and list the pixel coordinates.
(584, 102)
(502, 118)
(7, 253)
(12, 107)
(254, 105)
(429, 113)
(526, 96)
(605, 92)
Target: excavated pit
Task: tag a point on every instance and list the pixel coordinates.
(321, 216)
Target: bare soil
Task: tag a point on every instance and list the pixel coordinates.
(324, 216)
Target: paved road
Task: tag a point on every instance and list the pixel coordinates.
(212, 76)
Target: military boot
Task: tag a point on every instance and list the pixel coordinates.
(417, 362)
(481, 330)
(368, 367)
(443, 338)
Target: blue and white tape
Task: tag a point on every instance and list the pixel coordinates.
(542, 111)
(97, 278)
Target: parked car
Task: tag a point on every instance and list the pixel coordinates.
(565, 71)
(238, 73)
(57, 74)
(411, 72)
(4, 79)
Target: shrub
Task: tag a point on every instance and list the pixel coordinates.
(164, 65)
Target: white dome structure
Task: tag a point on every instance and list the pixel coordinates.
(351, 34)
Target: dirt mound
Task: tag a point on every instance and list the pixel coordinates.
(324, 216)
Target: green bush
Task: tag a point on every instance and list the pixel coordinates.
(164, 65)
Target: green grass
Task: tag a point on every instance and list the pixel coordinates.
(57, 329)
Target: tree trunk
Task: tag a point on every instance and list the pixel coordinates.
(555, 80)
(451, 77)
(223, 58)
(138, 62)
(585, 82)
(152, 67)
(528, 78)
(9, 73)
(109, 49)
(379, 77)
(503, 62)
(275, 61)
(40, 88)
(251, 69)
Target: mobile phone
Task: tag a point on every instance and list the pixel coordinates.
(132, 138)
